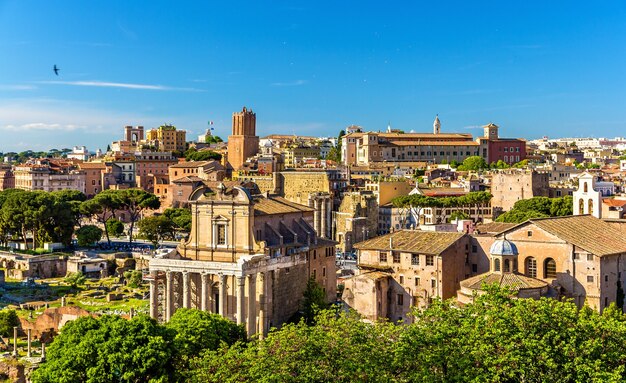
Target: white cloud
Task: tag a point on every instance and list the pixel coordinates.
(42, 126)
(123, 85)
(292, 83)
(17, 87)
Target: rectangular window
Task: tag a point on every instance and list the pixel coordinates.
(417, 281)
(433, 283)
(323, 271)
(529, 233)
(221, 234)
(577, 256)
(401, 279)
(396, 257)
(415, 259)
(474, 249)
(474, 268)
(590, 257)
(382, 257)
(606, 278)
(400, 299)
(430, 260)
(589, 278)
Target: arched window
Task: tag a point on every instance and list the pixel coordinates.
(590, 206)
(496, 264)
(507, 266)
(581, 207)
(585, 187)
(515, 265)
(549, 268)
(531, 267)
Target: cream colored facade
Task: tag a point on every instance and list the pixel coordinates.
(248, 258)
(44, 177)
(404, 269)
(167, 138)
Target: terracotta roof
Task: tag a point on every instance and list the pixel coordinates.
(440, 192)
(194, 164)
(494, 227)
(413, 135)
(513, 281)
(277, 205)
(91, 165)
(585, 231)
(614, 202)
(189, 179)
(414, 241)
(433, 143)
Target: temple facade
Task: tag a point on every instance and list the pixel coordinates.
(248, 257)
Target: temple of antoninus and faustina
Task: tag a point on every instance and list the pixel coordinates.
(248, 258)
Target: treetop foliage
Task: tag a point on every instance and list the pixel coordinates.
(538, 207)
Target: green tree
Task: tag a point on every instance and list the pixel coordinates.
(203, 155)
(8, 320)
(75, 279)
(473, 163)
(314, 300)
(134, 278)
(109, 349)
(136, 202)
(156, 228)
(102, 208)
(88, 235)
(198, 331)
(338, 348)
(213, 139)
(115, 227)
(180, 217)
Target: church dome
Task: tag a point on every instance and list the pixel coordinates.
(503, 247)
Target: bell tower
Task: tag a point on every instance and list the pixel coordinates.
(437, 125)
(491, 131)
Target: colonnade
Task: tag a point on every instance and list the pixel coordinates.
(213, 292)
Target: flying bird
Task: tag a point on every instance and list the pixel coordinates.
(56, 70)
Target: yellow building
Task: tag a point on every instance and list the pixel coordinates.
(294, 156)
(167, 139)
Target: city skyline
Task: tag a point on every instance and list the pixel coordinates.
(534, 69)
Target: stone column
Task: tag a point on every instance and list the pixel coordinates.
(222, 295)
(28, 352)
(322, 232)
(169, 287)
(316, 215)
(43, 352)
(241, 283)
(251, 318)
(261, 290)
(204, 280)
(186, 292)
(15, 342)
(154, 292)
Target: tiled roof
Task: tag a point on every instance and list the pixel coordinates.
(614, 202)
(414, 241)
(585, 231)
(494, 227)
(194, 164)
(413, 135)
(188, 179)
(433, 143)
(277, 205)
(513, 281)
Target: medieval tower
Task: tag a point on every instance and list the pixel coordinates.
(243, 142)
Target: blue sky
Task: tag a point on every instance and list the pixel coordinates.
(555, 68)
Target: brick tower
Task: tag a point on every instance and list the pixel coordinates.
(243, 142)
